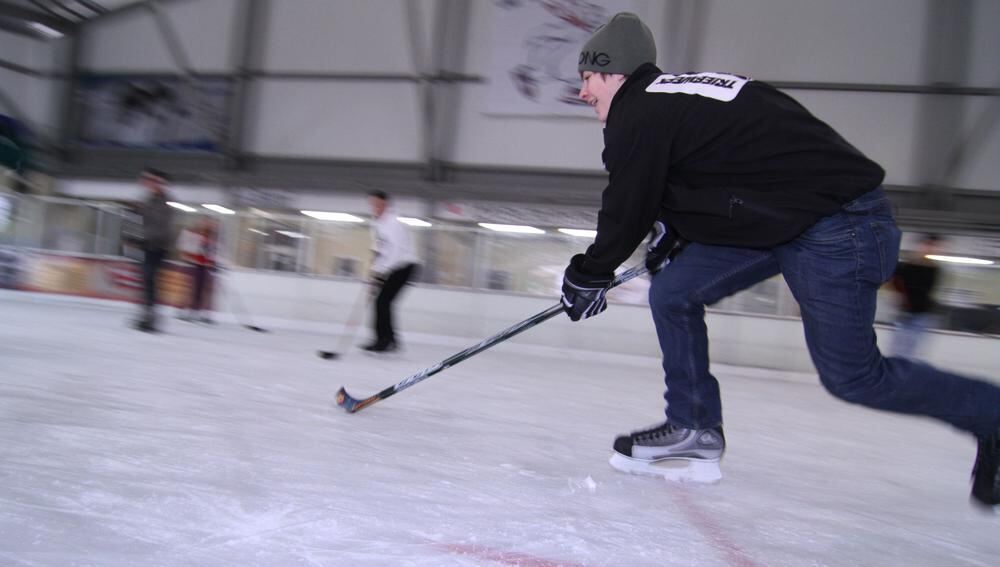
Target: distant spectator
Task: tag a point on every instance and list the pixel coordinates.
(157, 218)
(197, 246)
(915, 281)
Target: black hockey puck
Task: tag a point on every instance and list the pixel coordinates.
(327, 355)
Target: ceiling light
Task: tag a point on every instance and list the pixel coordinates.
(260, 213)
(291, 234)
(413, 221)
(182, 207)
(518, 228)
(959, 260)
(45, 30)
(219, 209)
(579, 232)
(255, 231)
(328, 216)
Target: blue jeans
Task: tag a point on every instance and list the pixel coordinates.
(910, 331)
(834, 270)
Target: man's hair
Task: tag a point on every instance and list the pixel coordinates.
(378, 193)
(153, 172)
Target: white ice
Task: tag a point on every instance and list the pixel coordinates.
(217, 446)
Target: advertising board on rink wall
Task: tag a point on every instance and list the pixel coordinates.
(95, 277)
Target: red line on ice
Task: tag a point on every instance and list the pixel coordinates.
(711, 530)
(503, 557)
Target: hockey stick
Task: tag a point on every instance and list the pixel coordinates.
(351, 326)
(352, 404)
(239, 310)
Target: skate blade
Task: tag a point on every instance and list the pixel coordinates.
(674, 470)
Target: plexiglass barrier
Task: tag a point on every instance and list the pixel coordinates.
(451, 254)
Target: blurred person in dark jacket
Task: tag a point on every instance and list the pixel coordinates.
(157, 221)
(915, 281)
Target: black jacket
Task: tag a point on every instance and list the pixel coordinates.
(753, 171)
(157, 221)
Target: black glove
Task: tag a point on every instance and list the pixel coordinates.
(660, 247)
(583, 293)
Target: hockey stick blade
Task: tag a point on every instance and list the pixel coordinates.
(353, 405)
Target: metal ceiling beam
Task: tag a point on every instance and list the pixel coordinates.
(17, 27)
(129, 8)
(19, 13)
(449, 49)
(74, 16)
(11, 66)
(171, 38)
(421, 60)
(47, 9)
(93, 6)
(69, 113)
(946, 57)
(245, 54)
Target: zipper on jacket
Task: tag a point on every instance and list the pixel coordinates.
(734, 202)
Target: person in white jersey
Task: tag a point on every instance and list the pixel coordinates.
(393, 267)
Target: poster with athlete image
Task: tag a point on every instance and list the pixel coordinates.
(162, 113)
(534, 51)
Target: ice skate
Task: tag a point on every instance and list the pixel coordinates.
(381, 348)
(986, 472)
(146, 322)
(672, 453)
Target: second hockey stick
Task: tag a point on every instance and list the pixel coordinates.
(352, 404)
(239, 309)
(351, 327)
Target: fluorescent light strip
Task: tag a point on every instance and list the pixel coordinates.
(579, 232)
(260, 213)
(291, 234)
(413, 221)
(45, 30)
(518, 228)
(219, 209)
(255, 231)
(959, 260)
(182, 207)
(329, 216)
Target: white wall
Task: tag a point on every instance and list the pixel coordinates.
(983, 68)
(856, 41)
(35, 97)
(131, 42)
(849, 41)
(347, 36)
(342, 120)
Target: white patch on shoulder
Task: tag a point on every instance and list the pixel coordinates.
(719, 86)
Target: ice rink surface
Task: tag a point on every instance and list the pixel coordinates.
(218, 446)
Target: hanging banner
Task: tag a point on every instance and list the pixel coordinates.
(165, 113)
(535, 48)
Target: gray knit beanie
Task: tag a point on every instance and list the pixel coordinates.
(619, 46)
